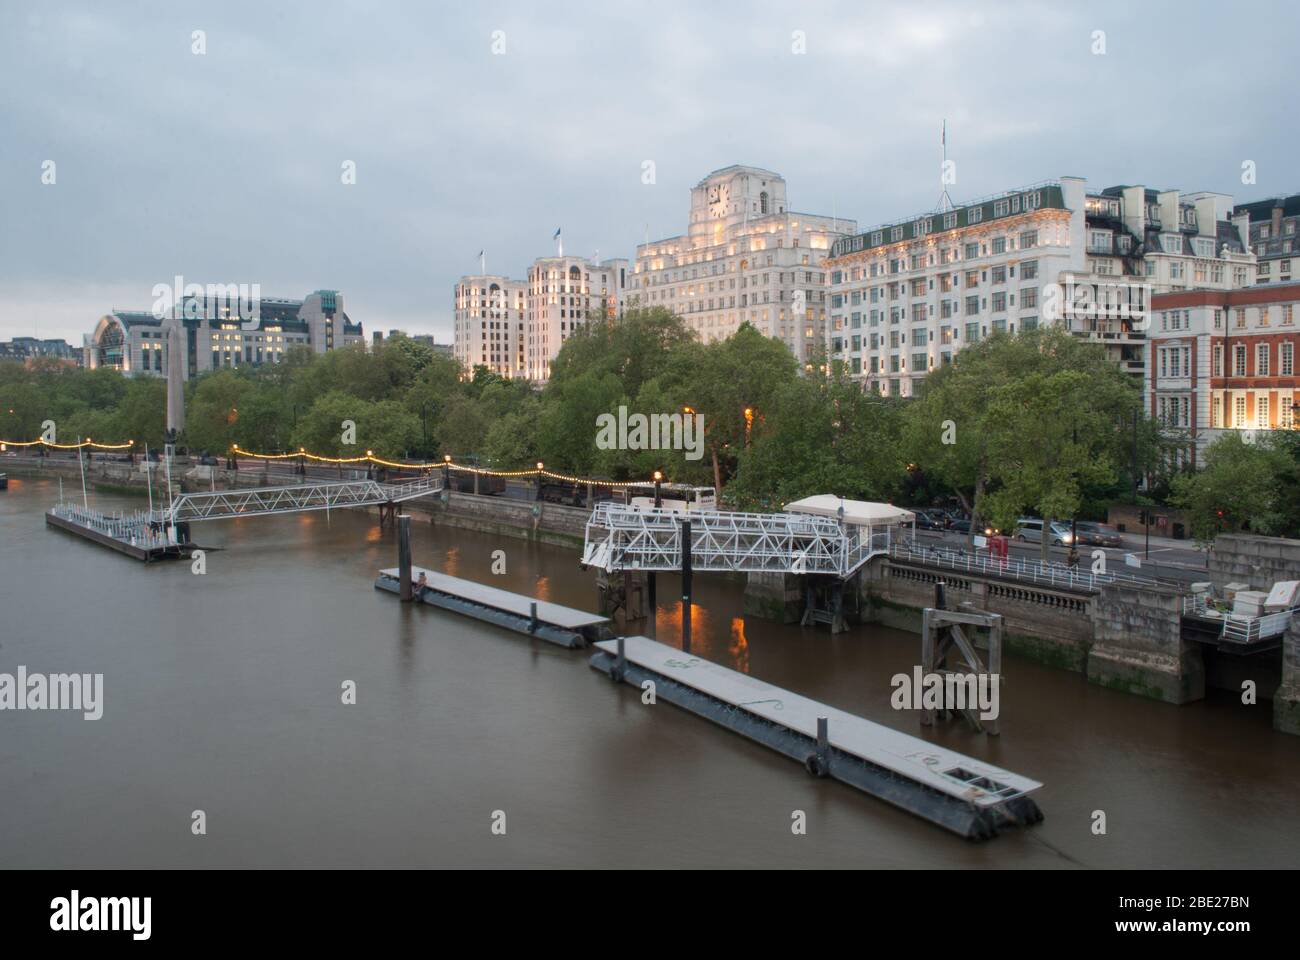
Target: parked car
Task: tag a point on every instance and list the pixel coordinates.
(960, 526)
(1098, 534)
(930, 520)
(1030, 530)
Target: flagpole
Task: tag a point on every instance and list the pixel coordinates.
(80, 463)
(482, 263)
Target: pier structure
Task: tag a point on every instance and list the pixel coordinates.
(967, 796)
(139, 535)
(164, 532)
(825, 538)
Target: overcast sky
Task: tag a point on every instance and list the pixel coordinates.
(226, 167)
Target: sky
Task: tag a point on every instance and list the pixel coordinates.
(486, 126)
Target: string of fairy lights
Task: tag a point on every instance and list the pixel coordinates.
(369, 458)
(66, 446)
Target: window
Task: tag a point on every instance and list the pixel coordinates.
(1239, 410)
(1172, 242)
(1218, 359)
(1261, 410)
(950, 220)
(974, 215)
(999, 244)
(972, 306)
(999, 301)
(1239, 360)
(999, 274)
(1216, 412)
(1261, 360)
(972, 332)
(1285, 359)
(1028, 239)
(1028, 297)
(972, 251)
(1001, 208)
(1029, 270)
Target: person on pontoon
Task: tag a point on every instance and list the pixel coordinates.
(420, 584)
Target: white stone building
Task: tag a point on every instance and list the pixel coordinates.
(906, 296)
(515, 328)
(745, 257)
(489, 324)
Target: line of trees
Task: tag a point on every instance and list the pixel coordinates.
(1037, 422)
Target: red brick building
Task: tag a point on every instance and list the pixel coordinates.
(1221, 360)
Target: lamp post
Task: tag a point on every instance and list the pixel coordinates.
(658, 477)
(540, 467)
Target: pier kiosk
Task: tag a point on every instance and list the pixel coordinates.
(867, 528)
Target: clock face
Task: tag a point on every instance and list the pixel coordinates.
(715, 194)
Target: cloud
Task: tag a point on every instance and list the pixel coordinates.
(226, 167)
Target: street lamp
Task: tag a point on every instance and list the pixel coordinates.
(658, 478)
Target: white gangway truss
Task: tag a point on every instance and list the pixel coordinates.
(296, 498)
(620, 537)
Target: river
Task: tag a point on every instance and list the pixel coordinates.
(222, 694)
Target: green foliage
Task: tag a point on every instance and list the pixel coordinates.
(822, 434)
(1240, 488)
(1038, 422)
(1024, 423)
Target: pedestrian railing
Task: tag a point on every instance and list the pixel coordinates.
(1237, 628)
(137, 527)
(1016, 568)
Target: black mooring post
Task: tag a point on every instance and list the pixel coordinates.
(532, 616)
(686, 585)
(823, 746)
(620, 662)
(404, 556)
(650, 591)
(938, 596)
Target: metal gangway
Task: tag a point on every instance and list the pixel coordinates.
(621, 537)
(295, 498)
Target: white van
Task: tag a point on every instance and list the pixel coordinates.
(1030, 530)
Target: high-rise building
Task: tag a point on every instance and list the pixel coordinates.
(746, 257)
(515, 328)
(907, 295)
(562, 293)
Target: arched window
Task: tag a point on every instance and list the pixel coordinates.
(762, 202)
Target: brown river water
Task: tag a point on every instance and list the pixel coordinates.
(222, 694)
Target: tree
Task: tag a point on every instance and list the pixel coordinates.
(1238, 489)
(1022, 422)
(213, 410)
(382, 426)
(822, 434)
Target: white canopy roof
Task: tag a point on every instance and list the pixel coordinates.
(855, 511)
